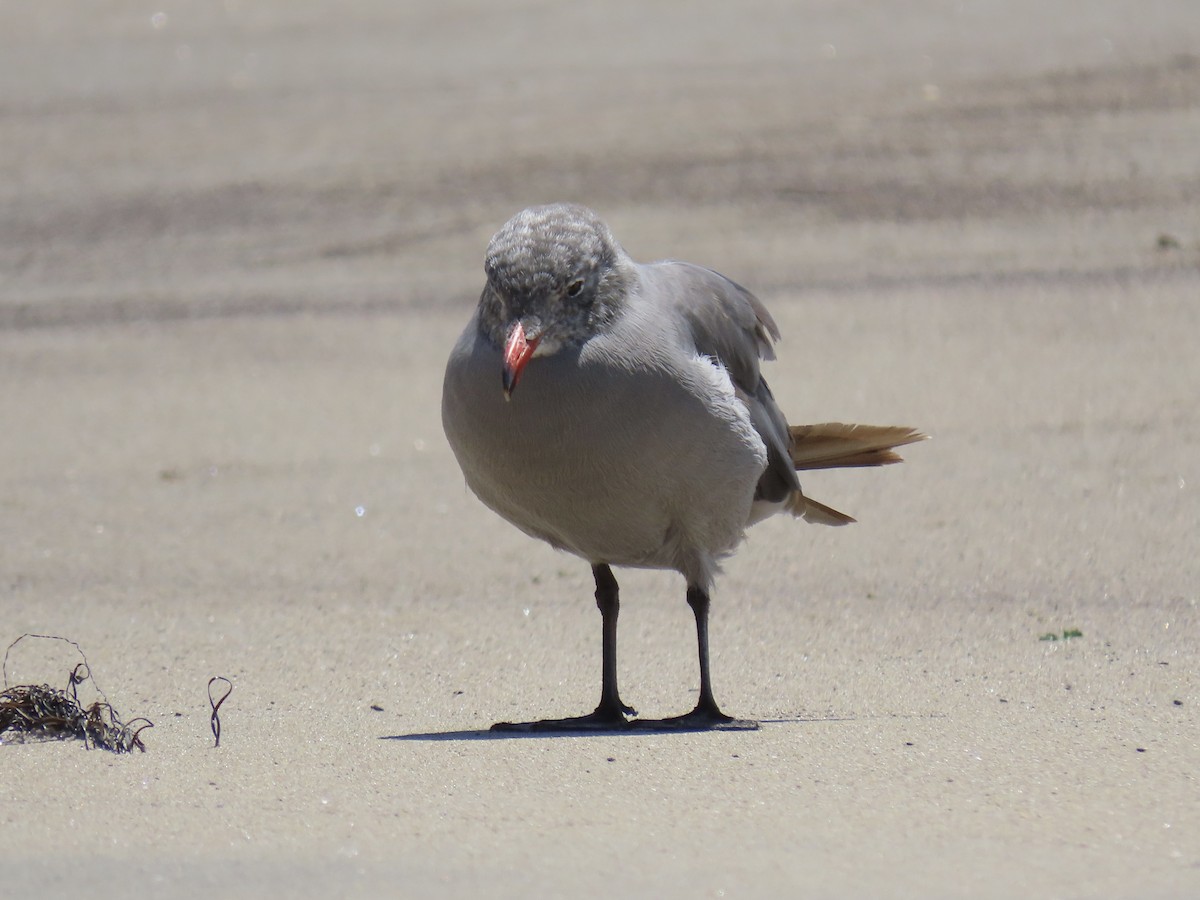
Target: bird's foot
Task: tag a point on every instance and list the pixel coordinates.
(603, 719)
(702, 718)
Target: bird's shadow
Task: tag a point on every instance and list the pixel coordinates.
(643, 729)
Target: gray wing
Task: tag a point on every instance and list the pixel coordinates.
(731, 325)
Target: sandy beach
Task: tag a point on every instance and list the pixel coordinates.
(236, 246)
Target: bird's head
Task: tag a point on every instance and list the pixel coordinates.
(555, 277)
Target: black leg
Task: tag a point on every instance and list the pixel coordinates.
(707, 715)
(609, 605)
(699, 602)
(611, 712)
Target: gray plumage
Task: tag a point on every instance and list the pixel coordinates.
(642, 432)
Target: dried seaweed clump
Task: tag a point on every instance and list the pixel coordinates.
(38, 712)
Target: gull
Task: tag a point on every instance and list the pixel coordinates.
(616, 410)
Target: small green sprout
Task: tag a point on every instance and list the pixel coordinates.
(1067, 634)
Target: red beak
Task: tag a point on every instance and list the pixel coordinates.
(517, 353)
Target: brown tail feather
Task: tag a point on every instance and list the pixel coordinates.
(833, 445)
(811, 511)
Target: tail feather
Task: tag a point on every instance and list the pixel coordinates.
(815, 513)
(833, 445)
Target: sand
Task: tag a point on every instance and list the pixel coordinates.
(236, 245)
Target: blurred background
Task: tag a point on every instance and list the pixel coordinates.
(184, 160)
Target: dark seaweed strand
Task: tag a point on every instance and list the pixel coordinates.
(215, 720)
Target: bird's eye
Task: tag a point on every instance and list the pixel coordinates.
(575, 287)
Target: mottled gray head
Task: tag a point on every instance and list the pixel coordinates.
(555, 277)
